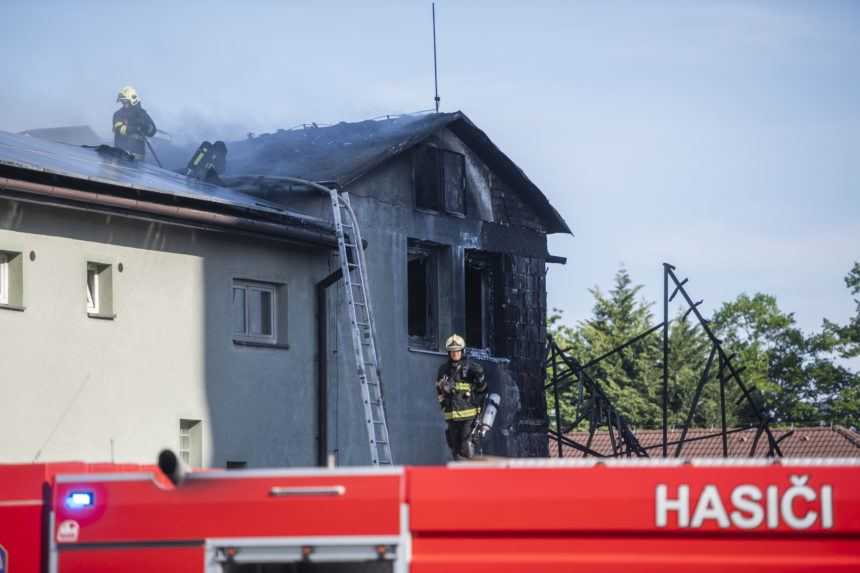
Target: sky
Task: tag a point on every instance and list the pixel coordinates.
(722, 137)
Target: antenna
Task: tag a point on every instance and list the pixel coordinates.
(435, 74)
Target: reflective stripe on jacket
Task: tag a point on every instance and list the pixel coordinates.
(467, 414)
(461, 388)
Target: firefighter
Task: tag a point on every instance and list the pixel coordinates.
(460, 388)
(131, 124)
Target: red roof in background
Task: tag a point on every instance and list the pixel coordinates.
(811, 442)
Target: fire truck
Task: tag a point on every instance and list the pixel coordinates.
(613, 516)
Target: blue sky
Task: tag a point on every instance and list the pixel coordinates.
(723, 137)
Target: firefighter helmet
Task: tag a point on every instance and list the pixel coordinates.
(454, 343)
(128, 95)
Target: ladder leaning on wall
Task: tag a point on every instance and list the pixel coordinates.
(354, 267)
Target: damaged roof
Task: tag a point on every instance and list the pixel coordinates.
(35, 155)
(344, 152)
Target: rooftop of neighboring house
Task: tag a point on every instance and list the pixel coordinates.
(31, 165)
(800, 442)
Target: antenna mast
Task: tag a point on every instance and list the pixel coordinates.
(435, 74)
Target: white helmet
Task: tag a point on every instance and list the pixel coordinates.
(454, 343)
(128, 95)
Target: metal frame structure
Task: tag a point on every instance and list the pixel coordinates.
(592, 404)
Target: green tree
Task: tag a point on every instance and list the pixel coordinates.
(792, 377)
(688, 354)
(630, 378)
(846, 339)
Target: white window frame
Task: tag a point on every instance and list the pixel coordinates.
(249, 286)
(92, 294)
(192, 454)
(4, 278)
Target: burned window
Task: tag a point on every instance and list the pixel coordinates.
(454, 181)
(483, 307)
(421, 296)
(440, 180)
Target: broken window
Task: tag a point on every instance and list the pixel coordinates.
(440, 180)
(421, 296)
(482, 305)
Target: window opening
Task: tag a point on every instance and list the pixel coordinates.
(99, 290)
(454, 178)
(428, 184)
(421, 296)
(92, 288)
(191, 442)
(484, 310)
(476, 295)
(440, 180)
(4, 278)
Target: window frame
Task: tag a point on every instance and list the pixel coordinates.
(92, 290)
(417, 249)
(248, 285)
(103, 295)
(489, 266)
(442, 191)
(191, 429)
(4, 278)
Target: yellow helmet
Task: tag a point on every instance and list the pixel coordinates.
(454, 343)
(129, 95)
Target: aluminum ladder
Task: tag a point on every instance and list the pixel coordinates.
(353, 265)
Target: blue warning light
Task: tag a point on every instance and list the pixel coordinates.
(80, 499)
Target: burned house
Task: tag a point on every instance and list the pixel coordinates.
(456, 237)
(145, 309)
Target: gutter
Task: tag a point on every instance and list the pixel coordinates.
(171, 213)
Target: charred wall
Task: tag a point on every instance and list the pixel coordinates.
(491, 246)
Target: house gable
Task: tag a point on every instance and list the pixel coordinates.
(346, 152)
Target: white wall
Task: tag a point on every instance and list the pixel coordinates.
(71, 384)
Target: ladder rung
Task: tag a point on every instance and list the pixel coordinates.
(381, 443)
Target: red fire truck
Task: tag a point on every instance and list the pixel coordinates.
(503, 516)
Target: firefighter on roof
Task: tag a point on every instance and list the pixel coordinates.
(460, 387)
(131, 124)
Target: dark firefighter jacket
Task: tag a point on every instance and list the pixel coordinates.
(130, 125)
(460, 387)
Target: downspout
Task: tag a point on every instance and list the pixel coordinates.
(322, 366)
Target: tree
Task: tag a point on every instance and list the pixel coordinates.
(792, 377)
(631, 377)
(846, 339)
(794, 374)
(688, 354)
